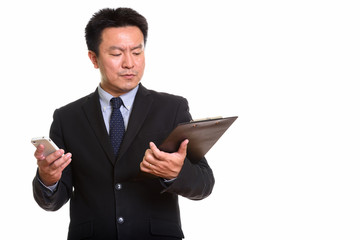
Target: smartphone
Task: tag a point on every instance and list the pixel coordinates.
(49, 145)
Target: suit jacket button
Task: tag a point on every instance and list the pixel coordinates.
(118, 186)
(120, 220)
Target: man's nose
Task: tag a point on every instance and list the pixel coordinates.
(128, 61)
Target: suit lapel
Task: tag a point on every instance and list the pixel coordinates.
(93, 113)
(138, 115)
(140, 110)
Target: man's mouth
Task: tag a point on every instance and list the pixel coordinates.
(127, 74)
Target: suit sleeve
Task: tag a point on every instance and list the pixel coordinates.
(195, 180)
(46, 199)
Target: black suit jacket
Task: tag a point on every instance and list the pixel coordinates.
(110, 198)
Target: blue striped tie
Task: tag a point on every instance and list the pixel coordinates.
(117, 127)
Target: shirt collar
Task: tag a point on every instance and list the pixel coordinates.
(127, 98)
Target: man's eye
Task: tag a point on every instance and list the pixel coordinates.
(115, 55)
(136, 53)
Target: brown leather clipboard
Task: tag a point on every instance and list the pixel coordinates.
(202, 136)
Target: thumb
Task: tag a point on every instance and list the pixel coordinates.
(39, 152)
(183, 147)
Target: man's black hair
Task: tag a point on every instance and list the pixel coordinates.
(108, 17)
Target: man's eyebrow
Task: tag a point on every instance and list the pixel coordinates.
(123, 49)
(138, 46)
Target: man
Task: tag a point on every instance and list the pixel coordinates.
(120, 185)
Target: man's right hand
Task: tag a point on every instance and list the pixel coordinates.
(51, 167)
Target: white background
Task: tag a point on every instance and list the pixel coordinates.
(289, 166)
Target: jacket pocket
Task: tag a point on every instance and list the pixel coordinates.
(81, 230)
(162, 228)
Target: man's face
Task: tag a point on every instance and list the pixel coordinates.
(121, 59)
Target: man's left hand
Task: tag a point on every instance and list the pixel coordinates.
(163, 164)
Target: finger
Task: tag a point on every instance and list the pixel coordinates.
(145, 166)
(149, 157)
(54, 156)
(62, 162)
(66, 163)
(148, 153)
(149, 161)
(183, 147)
(39, 152)
(156, 152)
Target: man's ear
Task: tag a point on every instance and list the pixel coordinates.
(93, 58)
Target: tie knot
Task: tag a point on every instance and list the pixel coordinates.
(116, 102)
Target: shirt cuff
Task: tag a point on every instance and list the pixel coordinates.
(52, 188)
(169, 180)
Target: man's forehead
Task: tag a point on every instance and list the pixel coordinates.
(128, 30)
(123, 37)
